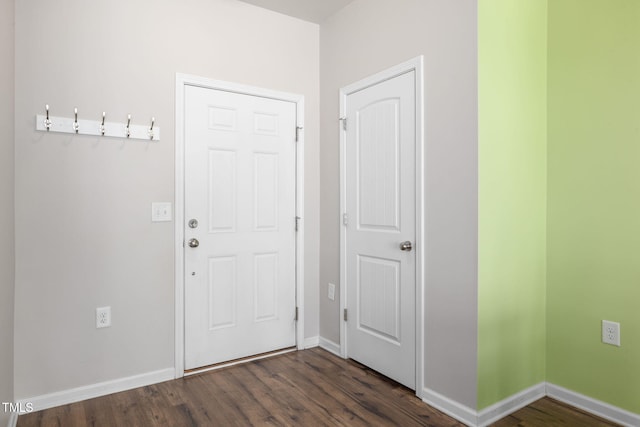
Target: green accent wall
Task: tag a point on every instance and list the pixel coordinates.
(512, 50)
(594, 197)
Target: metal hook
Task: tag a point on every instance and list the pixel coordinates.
(47, 122)
(76, 127)
(153, 120)
(128, 123)
(102, 125)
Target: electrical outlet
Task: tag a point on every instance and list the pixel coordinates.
(332, 292)
(103, 317)
(611, 332)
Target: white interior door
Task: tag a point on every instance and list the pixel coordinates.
(380, 230)
(240, 211)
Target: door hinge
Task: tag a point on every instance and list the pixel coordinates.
(296, 318)
(297, 223)
(298, 129)
(343, 120)
(345, 315)
(345, 219)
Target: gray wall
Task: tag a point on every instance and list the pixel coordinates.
(369, 36)
(83, 230)
(6, 203)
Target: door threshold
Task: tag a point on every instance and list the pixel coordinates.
(239, 361)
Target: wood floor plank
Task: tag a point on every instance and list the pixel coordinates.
(298, 409)
(371, 390)
(211, 404)
(363, 397)
(132, 407)
(177, 411)
(99, 412)
(304, 388)
(331, 403)
(330, 406)
(242, 399)
(264, 385)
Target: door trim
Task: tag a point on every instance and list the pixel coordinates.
(415, 64)
(183, 80)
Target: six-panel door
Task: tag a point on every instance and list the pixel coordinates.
(240, 186)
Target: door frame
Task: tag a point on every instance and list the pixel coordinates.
(416, 65)
(183, 80)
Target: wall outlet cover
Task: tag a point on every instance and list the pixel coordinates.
(103, 317)
(611, 332)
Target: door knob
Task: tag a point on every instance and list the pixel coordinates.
(406, 246)
(193, 243)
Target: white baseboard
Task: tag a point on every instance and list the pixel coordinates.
(330, 346)
(511, 404)
(593, 406)
(65, 397)
(450, 407)
(13, 420)
(311, 342)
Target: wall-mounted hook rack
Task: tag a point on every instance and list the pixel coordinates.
(74, 125)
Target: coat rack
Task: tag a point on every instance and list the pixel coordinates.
(48, 123)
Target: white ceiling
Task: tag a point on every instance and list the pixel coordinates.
(309, 10)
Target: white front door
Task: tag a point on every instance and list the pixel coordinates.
(380, 230)
(240, 214)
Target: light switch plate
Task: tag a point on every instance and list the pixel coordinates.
(160, 211)
(332, 292)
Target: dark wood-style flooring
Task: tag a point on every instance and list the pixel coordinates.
(304, 388)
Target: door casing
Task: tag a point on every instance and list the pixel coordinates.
(415, 64)
(183, 80)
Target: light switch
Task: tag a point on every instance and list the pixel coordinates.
(160, 211)
(332, 292)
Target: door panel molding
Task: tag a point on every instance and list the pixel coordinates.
(227, 120)
(416, 65)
